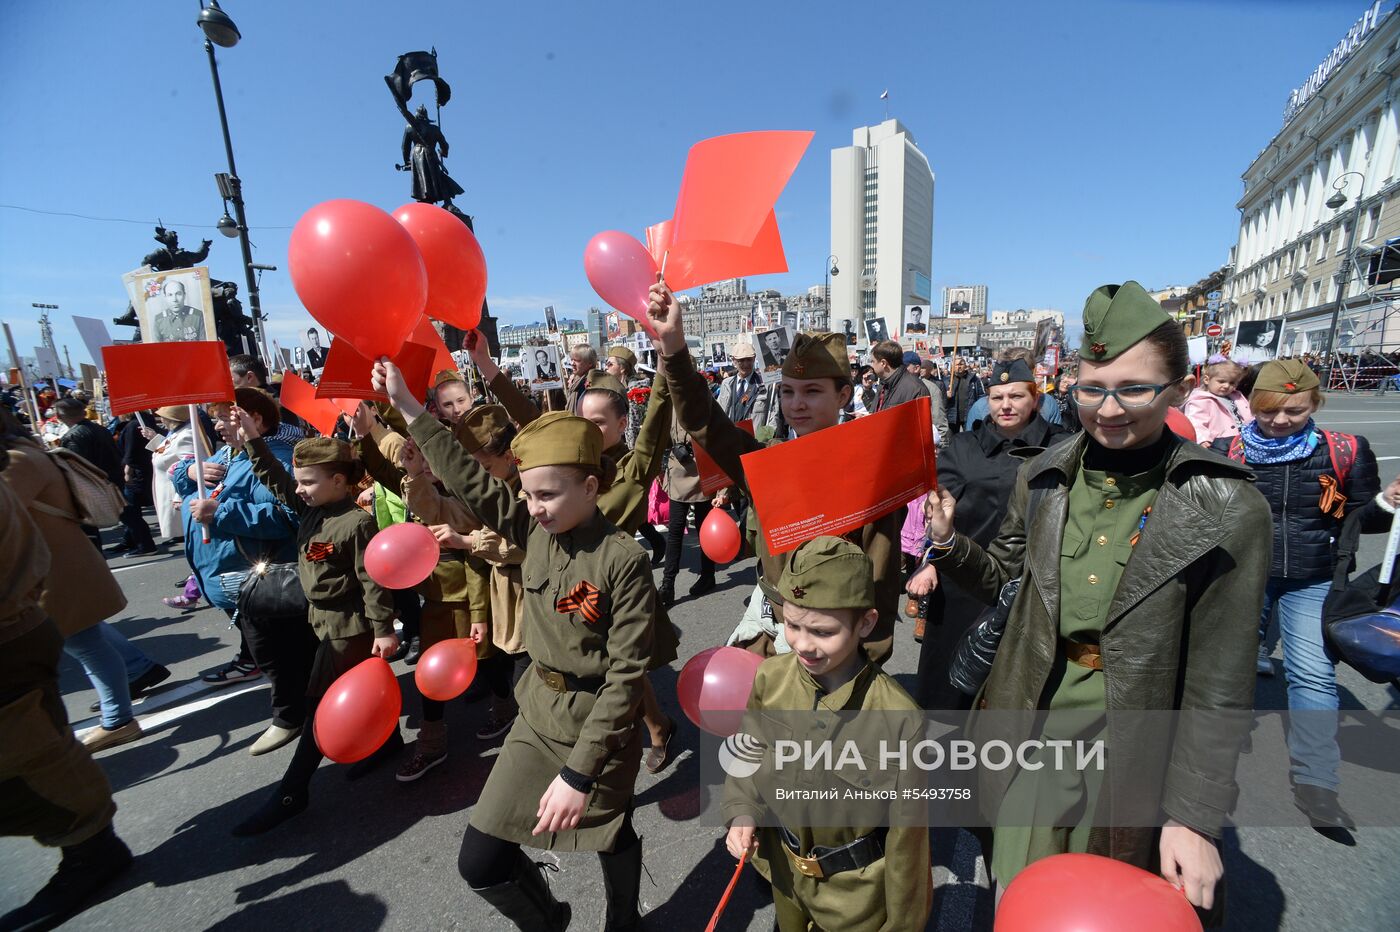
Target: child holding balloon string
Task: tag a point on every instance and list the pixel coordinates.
(871, 876)
(351, 614)
(566, 773)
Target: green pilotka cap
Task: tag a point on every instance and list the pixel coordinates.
(558, 438)
(1286, 376)
(606, 381)
(623, 353)
(818, 356)
(320, 451)
(1116, 317)
(828, 572)
(480, 427)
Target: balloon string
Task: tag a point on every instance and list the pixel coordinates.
(664, 256)
(724, 900)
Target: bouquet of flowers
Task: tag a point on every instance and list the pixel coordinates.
(639, 395)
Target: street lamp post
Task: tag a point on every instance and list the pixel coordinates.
(829, 270)
(219, 29)
(1335, 202)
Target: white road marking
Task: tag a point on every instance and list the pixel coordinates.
(137, 566)
(162, 708)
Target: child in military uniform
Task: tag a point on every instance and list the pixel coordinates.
(823, 877)
(351, 614)
(566, 772)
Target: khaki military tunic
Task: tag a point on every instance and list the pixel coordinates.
(625, 503)
(1105, 515)
(701, 417)
(590, 726)
(895, 892)
(348, 609)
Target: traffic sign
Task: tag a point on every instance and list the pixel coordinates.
(1214, 330)
(1213, 295)
(1213, 303)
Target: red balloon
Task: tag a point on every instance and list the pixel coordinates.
(1088, 893)
(359, 274)
(1179, 424)
(402, 555)
(719, 536)
(454, 260)
(446, 669)
(359, 712)
(621, 270)
(714, 688)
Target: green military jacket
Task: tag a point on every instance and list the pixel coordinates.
(331, 543)
(598, 723)
(701, 417)
(893, 893)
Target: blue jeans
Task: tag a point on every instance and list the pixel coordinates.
(1312, 679)
(110, 662)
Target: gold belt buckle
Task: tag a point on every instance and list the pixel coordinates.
(807, 867)
(554, 680)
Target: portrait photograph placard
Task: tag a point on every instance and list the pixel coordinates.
(540, 366)
(1256, 341)
(175, 306)
(771, 348)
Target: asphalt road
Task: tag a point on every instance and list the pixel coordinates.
(377, 854)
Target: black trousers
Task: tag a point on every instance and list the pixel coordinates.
(410, 609)
(138, 532)
(675, 540)
(652, 536)
(283, 648)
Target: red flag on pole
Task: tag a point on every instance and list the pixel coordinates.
(299, 397)
(699, 262)
(141, 376)
(731, 184)
(347, 373)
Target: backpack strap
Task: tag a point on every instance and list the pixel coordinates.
(1342, 449)
(1237, 448)
(1348, 541)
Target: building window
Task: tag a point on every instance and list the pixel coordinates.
(1317, 292)
(1322, 245)
(1373, 222)
(1342, 229)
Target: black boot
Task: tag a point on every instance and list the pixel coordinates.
(525, 899)
(415, 650)
(622, 878)
(278, 808)
(704, 584)
(1322, 807)
(666, 594)
(85, 868)
(391, 748)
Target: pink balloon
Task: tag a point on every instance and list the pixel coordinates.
(401, 556)
(719, 536)
(359, 712)
(456, 266)
(714, 688)
(446, 669)
(359, 273)
(1088, 893)
(622, 271)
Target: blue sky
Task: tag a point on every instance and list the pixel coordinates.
(1073, 143)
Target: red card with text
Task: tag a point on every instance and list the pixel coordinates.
(141, 376)
(299, 397)
(842, 478)
(347, 373)
(712, 478)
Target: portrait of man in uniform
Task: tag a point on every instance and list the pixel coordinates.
(771, 347)
(959, 302)
(914, 319)
(315, 353)
(876, 331)
(176, 306)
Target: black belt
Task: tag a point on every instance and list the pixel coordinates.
(822, 863)
(567, 682)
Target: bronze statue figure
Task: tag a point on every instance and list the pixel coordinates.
(424, 148)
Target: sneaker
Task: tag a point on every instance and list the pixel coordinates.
(275, 737)
(495, 726)
(142, 552)
(235, 672)
(84, 869)
(180, 602)
(100, 739)
(418, 765)
(1264, 666)
(147, 681)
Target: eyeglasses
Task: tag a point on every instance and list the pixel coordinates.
(1129, 396)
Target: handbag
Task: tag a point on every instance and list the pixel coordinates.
(271, 590)
(977, 648)
(1361, 615)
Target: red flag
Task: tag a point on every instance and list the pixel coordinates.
(712, 478)
(699, 262)
(299, 397)
(347, 373)
(425, 334)
(797, 501)
(141, 376)
(731, 184)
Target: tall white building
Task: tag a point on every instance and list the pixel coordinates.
(881, 226)
(1340, 134)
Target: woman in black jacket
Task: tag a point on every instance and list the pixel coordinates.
(1312, 479)
(978, 468)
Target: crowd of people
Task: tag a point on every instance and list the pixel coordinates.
(1105, 538)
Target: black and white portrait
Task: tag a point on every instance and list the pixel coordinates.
(875, 330)
(959, 303)
(718, 353)
(772, 348)
(176, 306)
(849, 327)
(1256, 341)
(915, 318)
(550, 323)
(315, 351)
(540, 365)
